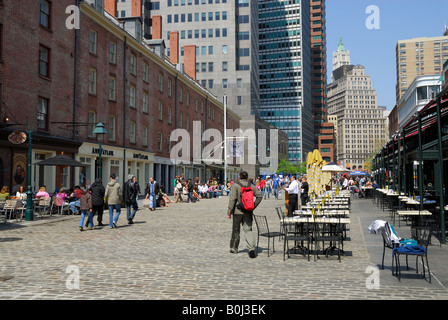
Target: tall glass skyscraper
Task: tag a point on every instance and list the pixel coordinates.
(285, 72)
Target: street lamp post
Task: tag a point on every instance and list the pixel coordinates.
(29, 214)
(100, 130)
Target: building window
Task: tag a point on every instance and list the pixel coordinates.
(132, 97)
(160, 142)
(133, 65)
(145, 136)
(169, 88)
(145, 102)
(112, 88)
(44, 61)
(92, 81)
(42, 113)
(132, 132)
(160, 110)
(160, 82)
(180, 120)
(91, 124)
(145, 72)
(169, 115)
(111, 131)
(93, 45)
(113, 53)
(44, 13)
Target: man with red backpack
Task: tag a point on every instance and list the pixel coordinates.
(241, 206)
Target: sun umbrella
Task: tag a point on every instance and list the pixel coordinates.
(358, 173)
(332, 167)
(61, 160)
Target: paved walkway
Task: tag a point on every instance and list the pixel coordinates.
(182, 252)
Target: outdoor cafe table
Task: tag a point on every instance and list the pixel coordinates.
(413, 214)
(367, 191)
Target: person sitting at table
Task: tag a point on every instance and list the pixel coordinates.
(21, 194)
(42, 193)
(61, 196)
(375, 185)
(4, 193)
(75, 197)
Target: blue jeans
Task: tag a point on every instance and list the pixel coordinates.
(130, 215)
(117, 207)
(85, 213)
(74, 206)
(267, 191)
(276, 192)
(152, 201)
(190, 196)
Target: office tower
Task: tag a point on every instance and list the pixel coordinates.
(226, 39)
(285, 72)
(419, 57)
(324, 139)
(341, 57)
(361, 125)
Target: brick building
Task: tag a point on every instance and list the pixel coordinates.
(67, 81)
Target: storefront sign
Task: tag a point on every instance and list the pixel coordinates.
(103, 152)
(140, 156)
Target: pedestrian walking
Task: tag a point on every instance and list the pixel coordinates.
(130, 198)
(178, 191)
(137, 186)
(275, 185)
(98, 192)
(151, 192)
(293, 191)
(190, 186)
(113, 198)
(242, 216)
(304, 191)
(86, 209)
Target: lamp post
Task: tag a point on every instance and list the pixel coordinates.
(29, 214)
(100, 130)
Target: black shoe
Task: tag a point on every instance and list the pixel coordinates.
(252, 254)
(100, 224)
(130, 222)
(233, 251)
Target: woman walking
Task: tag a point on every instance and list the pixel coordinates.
(86, 209)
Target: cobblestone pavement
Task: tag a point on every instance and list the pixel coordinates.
(182, 252)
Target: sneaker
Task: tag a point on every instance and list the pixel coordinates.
(252, 254)
(233, 251)
(81, 229)
(115, 225)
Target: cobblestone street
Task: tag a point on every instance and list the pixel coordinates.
(182, 252)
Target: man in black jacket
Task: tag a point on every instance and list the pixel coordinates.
(130, 197)
(190, 187)
(151, 191)
(98, 200)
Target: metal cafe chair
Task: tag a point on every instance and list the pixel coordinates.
(263, 231)
(418, 251)
(331, 233)
(295, 233)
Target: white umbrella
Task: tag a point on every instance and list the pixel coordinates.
(333, 167)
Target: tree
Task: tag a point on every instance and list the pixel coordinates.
(287, 167)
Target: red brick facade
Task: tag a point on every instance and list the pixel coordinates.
(116, 77)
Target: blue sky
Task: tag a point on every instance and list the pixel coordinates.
(375, 49)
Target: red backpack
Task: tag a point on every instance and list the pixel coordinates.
(247, 198)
